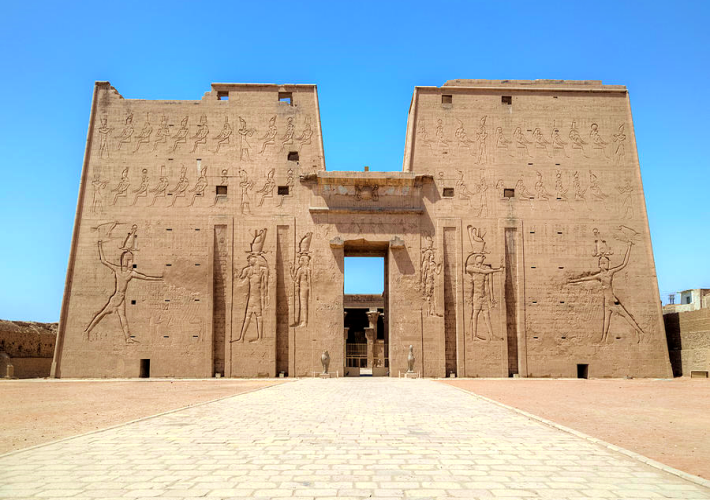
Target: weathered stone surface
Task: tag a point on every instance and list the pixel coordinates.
(210, 239)
(27, 346)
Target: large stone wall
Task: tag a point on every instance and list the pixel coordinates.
(210, 239)
(688, 341)
(28, 347)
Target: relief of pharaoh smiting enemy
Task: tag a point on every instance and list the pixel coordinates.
(123, 274)
(480, 276)
(256, 276)
(611, 304)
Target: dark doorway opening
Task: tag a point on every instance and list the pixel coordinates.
(145, 368)
(582, 371)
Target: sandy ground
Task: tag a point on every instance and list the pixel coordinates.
(666, 420)
(39, 411)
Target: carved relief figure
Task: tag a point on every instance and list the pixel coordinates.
(161, 189)
(598, 143)
(144, 136)
(104, 132)
(627, 206)
(610, 302)
(594, 188)
(268, 190)
(502, 143)
(430, 270)
(523, 190)
(287, 138)
(557, 143)
(540, 142)
(462, 137)
(577, 186)
(244, 145)
(163, 132)
(200, 185)
(223, 137)
(440, 142)
(121, 191)
(223, 181)
(289, 183)
(619, 139)
(202, 132)
(482, 298)
(270, 136)
(559, 189)
(479, 201)
(301, 277)
(305, 138)
(462, 191)
(601, 249)
(576, 139)
(245, 185)
(180, 188)
(521, 142)
(97, 202)
(123, 274)
(180, 136)
(482, 139)
(127, 132)
(142, 191)
(542, 193)
(256, 274)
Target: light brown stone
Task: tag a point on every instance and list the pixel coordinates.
(517, 225)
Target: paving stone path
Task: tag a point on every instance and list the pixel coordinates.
(366, 438)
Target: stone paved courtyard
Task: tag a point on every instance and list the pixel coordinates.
(339, 438)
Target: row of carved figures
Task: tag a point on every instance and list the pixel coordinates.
(127, 139)
(481, 293)
(526, 144)
(562, 192)
(163, 189)
(254, 277)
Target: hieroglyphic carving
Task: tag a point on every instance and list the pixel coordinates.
(594, 189)
(577, 186)
(256, 275)
(144, 135)
(482, 296)
(104, 133)
(245, 185)
(127, 132)
(576, 139)
(305, 138)
(142, 191)
(557, 143)
(301, 277)
(244, 145)
(269, 137)
(598, 142)
(521, 142)
(441, 143)
(121, 191)
(123, 274)
(223, 137)
(611, 304)
(367, 193)
(601, 248)
(502, 143)
(180, 136)
(462, 138)
(200, 185)
(462, 191)
(201, 134)
(267, 191)
(163, 132)
(540, 190)
(560, 191)
(97, 202)
(161, 189)
(540, 142)
(430, 269)
(287, 138)
(181, 186)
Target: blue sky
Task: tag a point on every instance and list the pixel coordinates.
(366, 57)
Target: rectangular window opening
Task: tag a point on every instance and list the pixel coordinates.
(135, 266)
(283, 190)
(144, 369)
(582, 371)
(506, 99)
(221, 191)
(447, 99)
(286, 97)
(133, 302)
(509, 193)
(448, 192)
(292, 156)
(222, 95)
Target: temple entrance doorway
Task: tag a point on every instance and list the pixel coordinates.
(365, 311)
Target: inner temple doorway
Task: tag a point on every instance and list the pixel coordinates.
(365, 311)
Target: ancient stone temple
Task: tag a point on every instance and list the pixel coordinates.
(210, 238)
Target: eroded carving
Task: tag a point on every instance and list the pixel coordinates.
(121, 191)
(200, 185)
(269, 137)
(163, 132)
(104, 133)
(127, 132)
(482, 296)
(244, 145)
(245, 185)
(161, 189)
(142, 191)
(305, 138)
(180, 136)
(97, 202)
(430, 269)
(143, 136)
(201, 134)
(287, 139)
(267, 191)
(181, 186)
(223, 137)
